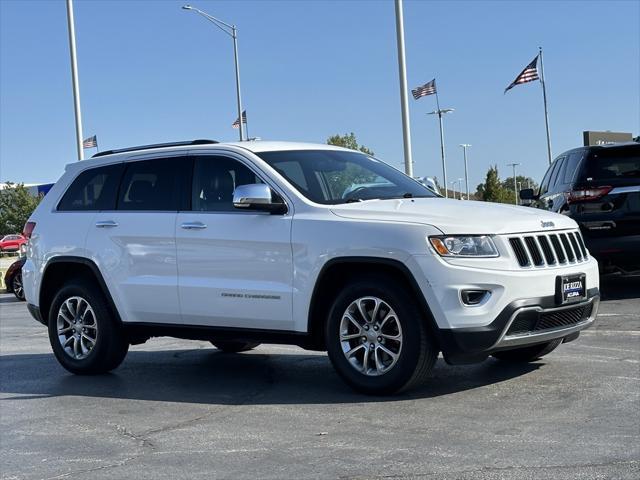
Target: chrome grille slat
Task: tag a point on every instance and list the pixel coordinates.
(539, 250)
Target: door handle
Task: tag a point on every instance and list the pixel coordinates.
(106, 223)
(193, 226)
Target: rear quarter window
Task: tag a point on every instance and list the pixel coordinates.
(93, 189)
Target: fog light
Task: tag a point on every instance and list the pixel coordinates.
(473, 297)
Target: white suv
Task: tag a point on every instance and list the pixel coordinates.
(312, 245)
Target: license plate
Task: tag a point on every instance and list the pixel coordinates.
(570, 288)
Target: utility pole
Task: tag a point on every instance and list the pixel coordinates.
(515, 181)
(404, 98)
(466, 174)
(74, 78)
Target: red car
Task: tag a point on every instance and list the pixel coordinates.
(12, 243)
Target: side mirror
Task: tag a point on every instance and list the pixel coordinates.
(257, 196)
(527, 194)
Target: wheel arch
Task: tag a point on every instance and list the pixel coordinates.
(335, 273)
(61, 268)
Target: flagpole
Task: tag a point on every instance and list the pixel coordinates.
(444, 163)
(246, 128)
(97, 148)
(546, 112)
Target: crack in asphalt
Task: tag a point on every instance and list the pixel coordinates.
(148, 447)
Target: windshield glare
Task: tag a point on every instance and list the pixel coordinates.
(335, 176)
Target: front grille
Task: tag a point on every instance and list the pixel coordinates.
(532, 321)
(541, 250)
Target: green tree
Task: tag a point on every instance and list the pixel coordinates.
(523, 182)
(492, 190)
(348, 140)
(16, 205)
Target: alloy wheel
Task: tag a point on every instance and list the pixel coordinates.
(77, 327)
(18, 288)
(371, 336)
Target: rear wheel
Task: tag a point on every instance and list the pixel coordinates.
(230, 346)
(377, 339)
(527, 354)
(82, 331)
(17, 287)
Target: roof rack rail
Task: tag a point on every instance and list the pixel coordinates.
(155, 145)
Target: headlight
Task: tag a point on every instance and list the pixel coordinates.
(464, 246)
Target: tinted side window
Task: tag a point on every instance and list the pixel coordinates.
(572, 166)
(544, 186)
(151, 185)
(558, 173)
(214, 181)
(93, 189)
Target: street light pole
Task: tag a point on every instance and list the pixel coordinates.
(460, 187)
(515, 181)
(440, 112)
(232, 31)
(404, 97)
(466, 174)
(74, 78)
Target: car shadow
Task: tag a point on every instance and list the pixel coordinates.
(211, 377)
(618, 287)
(9, 299)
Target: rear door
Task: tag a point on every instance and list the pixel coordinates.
(134, 243)
(235, 266)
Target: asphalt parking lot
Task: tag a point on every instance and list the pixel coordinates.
(178, 409)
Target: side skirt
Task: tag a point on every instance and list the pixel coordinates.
(140, 332)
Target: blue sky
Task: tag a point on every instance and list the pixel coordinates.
(151, 72)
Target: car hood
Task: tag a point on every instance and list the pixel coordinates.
(456, 216)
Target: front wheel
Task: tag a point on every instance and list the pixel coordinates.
(377, 338)
(527, 354)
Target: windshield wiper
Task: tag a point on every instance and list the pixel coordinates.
(353, 200)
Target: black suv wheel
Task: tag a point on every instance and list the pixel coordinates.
(83, 334)
(377, 339)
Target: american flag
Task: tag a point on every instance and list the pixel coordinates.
(236, 124)
(426, 89)
(529, 74)
(91, 142)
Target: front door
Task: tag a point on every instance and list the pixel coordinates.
(234, 266)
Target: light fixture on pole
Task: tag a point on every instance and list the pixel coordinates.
(233, 33)
(74, 78)
(466, 174)
(440, 112)
(515, 181)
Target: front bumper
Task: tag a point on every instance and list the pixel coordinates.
(521, 323)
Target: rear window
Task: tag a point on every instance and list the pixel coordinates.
(613, 163)
(93, 189)
(150, 185)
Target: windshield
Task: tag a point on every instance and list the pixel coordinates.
(335, 176)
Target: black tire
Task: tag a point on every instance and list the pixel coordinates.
(111, 344)
(17, 287)
(418, 352)
(527, 354)
(230, 346)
